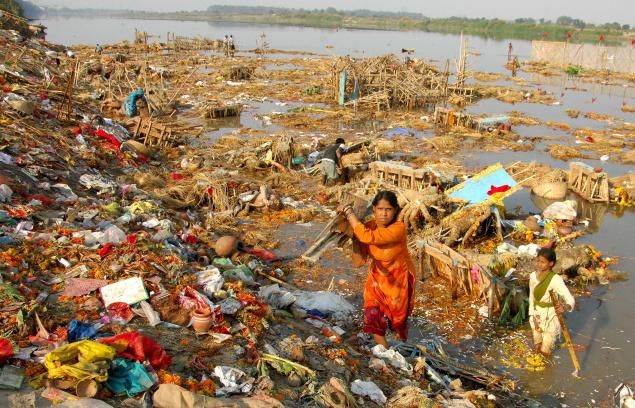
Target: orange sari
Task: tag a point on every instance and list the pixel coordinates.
(391, 274)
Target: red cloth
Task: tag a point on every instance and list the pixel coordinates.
(44, 199)
(498, 189)
(177, 176)
(6, 350)
(374, 321)
(263, 254)
(105, 135)
(135, 346)
(106, 250)
(602, 38)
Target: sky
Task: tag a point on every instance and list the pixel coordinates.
(593, 11)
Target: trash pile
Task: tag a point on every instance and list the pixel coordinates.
(137, 261)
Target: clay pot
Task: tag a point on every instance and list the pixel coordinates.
(202, 320)
(86, 388)
(226, 246)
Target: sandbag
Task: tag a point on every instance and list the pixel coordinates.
(173, 396)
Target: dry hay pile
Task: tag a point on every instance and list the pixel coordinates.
(198, 189)
(519, 118)
(149, 181)
(628, 108)
(383, 146)
(628, 157)
(445, 143)
(563, 152)
(487, 76)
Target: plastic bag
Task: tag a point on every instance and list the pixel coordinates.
(6, 350)
(190, 299)
(5, 193)
(128, 377)
(210, 281)
(80, 360)
(113, 235)
(368, 389)
(79, 331)
(135, 346)
(395, 358)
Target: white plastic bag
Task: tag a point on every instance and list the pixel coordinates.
(368, 389)
(393, 356)
(113, 235)
(210, 280)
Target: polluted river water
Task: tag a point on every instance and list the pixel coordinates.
(604, 322)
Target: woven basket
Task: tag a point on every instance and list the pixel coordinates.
(551, 190)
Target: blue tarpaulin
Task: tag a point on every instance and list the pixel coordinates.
(475, 190)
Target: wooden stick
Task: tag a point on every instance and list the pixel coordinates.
(565, 332)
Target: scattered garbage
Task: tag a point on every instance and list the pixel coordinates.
(133, 267)
(368, 389)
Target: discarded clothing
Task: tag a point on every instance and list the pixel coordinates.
(135, 346)
(128, 377)
(130, 105)
(81, 360)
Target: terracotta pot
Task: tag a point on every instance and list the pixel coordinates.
(202, 320)
(86, 388)
(226, 246)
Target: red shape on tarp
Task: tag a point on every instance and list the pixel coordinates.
(105, 135)
(590, 139)
(136, 346)
(6, 350)
(498, 189)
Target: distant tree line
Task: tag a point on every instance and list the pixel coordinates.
(264, 10)
(565, 21)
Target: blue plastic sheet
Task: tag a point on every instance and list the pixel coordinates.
(475, 190)
(79, 331)
(128, 377)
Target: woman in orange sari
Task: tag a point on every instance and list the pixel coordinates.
(389, 289)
